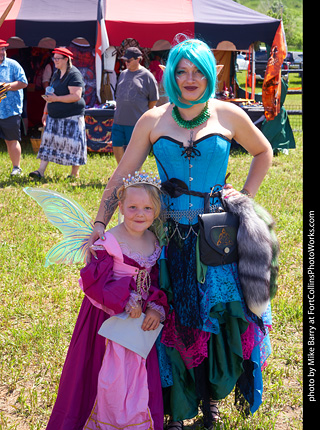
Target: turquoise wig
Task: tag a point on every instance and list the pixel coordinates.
(200, 55)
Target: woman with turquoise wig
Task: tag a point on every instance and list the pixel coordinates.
(201, 56)
(211, 341)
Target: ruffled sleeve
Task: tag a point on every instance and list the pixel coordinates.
(99, 285)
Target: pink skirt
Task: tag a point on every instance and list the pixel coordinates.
(123, 395)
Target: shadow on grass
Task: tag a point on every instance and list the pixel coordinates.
(25, 180)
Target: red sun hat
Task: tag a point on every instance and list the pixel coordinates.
(63, 51)
(3, 43)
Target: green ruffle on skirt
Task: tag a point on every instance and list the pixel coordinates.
(223, 366)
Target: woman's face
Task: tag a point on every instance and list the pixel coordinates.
(192, 83)
(60, 61)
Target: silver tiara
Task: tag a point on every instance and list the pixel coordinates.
(142, 178)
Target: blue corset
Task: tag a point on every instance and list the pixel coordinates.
(201, 167)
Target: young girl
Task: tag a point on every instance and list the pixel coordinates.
(103, 384)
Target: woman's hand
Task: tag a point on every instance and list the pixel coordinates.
(73, 96)
(97, 233)
(44, 119)
(151, 321)
(229, 191)
(50, 98)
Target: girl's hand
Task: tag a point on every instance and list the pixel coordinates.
(136, 312)
(151, 321)
(97, 233)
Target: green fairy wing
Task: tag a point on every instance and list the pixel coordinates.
(73, 222)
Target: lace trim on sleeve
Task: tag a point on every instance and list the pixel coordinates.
(133, 302)
(98, 248)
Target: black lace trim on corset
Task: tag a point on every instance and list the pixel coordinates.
(196, 141)
(190, 152)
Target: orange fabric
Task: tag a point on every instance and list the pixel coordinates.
(271, 88)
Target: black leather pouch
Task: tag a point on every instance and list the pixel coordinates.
(218, 238)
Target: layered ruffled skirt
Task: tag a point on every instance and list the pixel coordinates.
(211, 342)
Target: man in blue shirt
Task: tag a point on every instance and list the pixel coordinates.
(11, 107)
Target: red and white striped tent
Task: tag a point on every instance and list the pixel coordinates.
(144, 20)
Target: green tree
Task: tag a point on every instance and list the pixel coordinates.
(290, 20)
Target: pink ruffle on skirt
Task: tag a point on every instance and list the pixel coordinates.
(123, 395)
(192, 356)
(252, 337)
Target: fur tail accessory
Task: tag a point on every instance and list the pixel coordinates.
(258, 251)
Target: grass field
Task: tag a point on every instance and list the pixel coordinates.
(39, 306)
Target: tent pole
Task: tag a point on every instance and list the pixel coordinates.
(253, 74)
(6, 12)
(247, 77)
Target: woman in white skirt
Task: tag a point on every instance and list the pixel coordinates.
(64, 138)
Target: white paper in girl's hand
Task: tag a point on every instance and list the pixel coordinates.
(127, 331)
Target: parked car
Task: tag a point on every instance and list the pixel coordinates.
(299, 61)
(261, 65)
(290, 59)
(295, 60)
(241, 62)
(299, 58)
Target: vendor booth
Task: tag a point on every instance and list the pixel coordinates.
(225, 25)
(144, 20)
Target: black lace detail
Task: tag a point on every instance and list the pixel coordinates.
(244, 391)
(190, 152)
(181, 259)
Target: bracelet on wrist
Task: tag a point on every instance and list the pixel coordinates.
(45, 113)
(100, 222)
(246, 193)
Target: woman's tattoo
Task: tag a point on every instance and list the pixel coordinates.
(110, 205)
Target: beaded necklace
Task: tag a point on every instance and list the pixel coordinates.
(203, 116)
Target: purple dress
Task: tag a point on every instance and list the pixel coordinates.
(78, 384)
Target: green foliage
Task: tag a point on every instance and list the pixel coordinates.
(290, 11)
(39, 305)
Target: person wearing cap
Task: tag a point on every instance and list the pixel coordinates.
(11, 106)
(64, 138)
(137, 91)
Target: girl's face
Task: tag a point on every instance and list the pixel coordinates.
(137, 209)
(192, 83)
